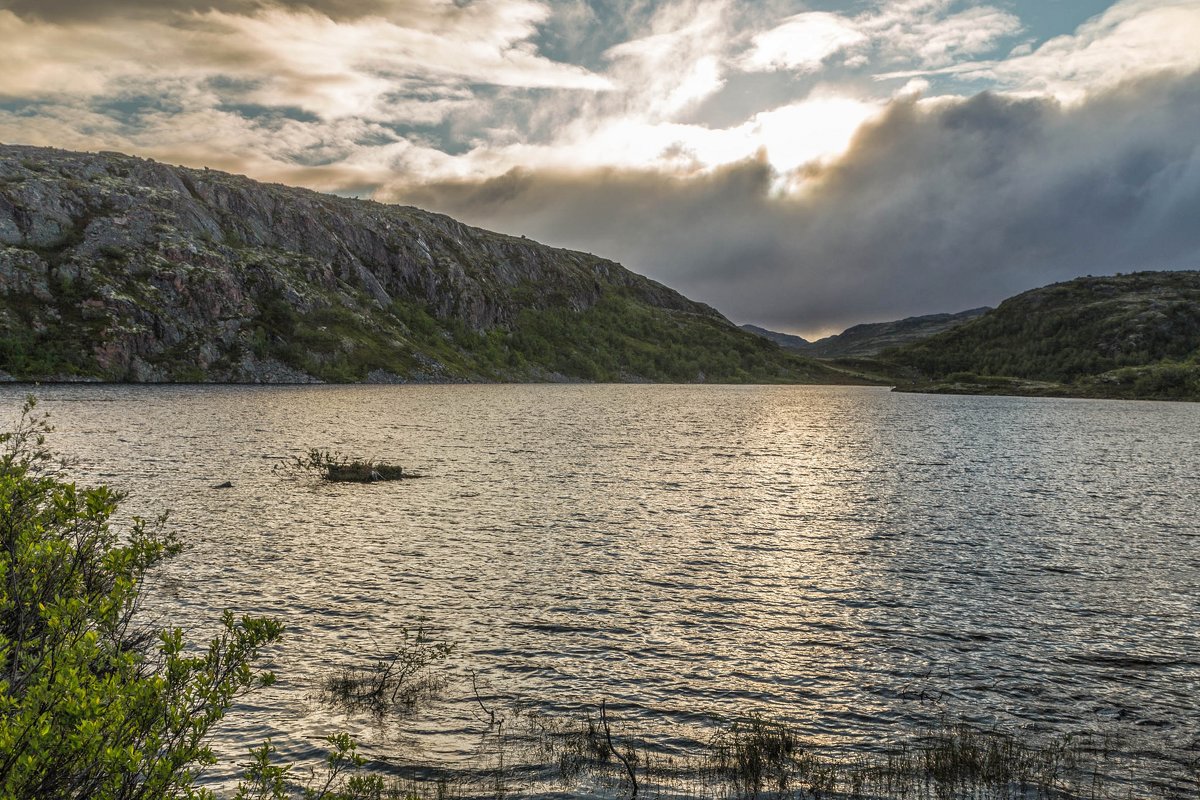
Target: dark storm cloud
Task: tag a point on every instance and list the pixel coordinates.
(937, 206)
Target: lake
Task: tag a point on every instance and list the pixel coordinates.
(852, 560)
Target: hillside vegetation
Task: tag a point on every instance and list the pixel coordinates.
(1135, 335)
(118, 268)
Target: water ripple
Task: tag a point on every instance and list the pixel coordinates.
(854, 560)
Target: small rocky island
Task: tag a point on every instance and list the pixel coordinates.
(338, 468)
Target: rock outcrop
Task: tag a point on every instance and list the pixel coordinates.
(120, 268)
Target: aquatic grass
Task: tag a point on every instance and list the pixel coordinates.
(761, 757)
(755, 754)
(396, 681)
(591, 751)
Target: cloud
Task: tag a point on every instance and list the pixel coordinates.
(285, 57)
(271, 148)
(801, 134)
(939, 205)
(934, 34)
(350, 68)
(801, 42)
(61, 11)
(810, 131)
(676, 64)
(929, 32)
(1131, 38)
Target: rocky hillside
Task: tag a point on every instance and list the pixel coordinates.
(119, 268)
(1135, 335)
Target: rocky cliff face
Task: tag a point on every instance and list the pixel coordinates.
(119, 268)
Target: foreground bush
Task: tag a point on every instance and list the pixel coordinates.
(93, 704)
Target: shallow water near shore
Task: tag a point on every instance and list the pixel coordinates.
(855, 561)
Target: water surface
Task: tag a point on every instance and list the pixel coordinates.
(850, 559)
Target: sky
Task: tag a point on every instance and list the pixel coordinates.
(804, 166)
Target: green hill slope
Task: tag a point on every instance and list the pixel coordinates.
(1135, 335)
(118, 268)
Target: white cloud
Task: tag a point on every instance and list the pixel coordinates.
(1131, 39)
(817, 129)
(361, 58)
(676, 64)
(812, 131)
(322, 156)
(914, 87)
(928, 31)
(39, 60)
(801, 43)
(290, 58)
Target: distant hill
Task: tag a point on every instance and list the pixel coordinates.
(1135, 335)
(869, 338)
(117, 268)
(785, 340)
(873, 338)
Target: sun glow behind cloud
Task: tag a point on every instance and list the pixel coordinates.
(816, 130)
(787, 138)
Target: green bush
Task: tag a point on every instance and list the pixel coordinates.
(93, 703)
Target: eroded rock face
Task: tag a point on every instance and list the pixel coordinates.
(146, 272)
(23, 272)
